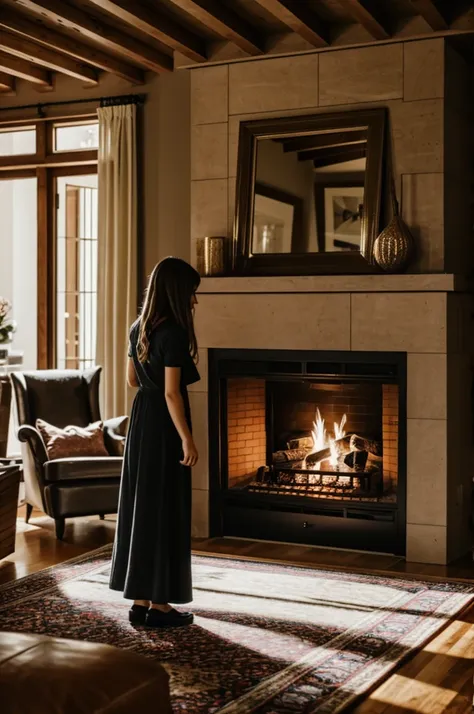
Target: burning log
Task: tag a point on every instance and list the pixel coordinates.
(263, 474)
(356, 460)
(341, 446)
(359, 443)
(284, 456)
(318, 456)
(374, 462)
(301, 442)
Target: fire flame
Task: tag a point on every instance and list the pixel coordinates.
(321, 440)
(339, 432)
(319, 433)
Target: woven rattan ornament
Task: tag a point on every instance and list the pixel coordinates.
(394, 247)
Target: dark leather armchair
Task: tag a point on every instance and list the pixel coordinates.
(64, 488)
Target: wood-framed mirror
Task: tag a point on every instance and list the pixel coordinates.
(308, 194)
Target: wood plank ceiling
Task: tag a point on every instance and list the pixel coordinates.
(84, 39)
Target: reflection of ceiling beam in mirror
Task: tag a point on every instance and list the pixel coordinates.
(328, 157)
(297, 17)
(320, 141)
(365, 12)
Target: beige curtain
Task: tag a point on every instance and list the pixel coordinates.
(117, 257)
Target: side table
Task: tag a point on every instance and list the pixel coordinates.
(9, 488)
(5, 408)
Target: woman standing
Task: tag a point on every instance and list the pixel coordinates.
(151, 561)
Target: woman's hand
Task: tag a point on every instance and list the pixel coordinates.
(190, 453)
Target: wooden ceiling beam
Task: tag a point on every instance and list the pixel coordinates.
(24, 70)
(321, 141)
(298, 18)
(26, 49)
(333, 148)
(7, 83)
(333, 160)
(73, 18)
(359, 10)
(224, 22)
(334, 156)
(431, 14)
(156, 25)
(85, 53)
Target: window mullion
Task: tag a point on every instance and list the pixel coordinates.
(46, 289)
(41, 141)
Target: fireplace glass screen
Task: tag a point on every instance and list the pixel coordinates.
(326, 437)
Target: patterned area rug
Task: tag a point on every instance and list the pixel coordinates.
(267, 638)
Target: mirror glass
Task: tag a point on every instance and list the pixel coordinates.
(309, 192)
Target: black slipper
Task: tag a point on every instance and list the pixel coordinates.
(173, 618)
(137, 614)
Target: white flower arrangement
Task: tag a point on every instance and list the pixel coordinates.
(7, 326)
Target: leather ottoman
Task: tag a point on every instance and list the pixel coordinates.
(45, 675)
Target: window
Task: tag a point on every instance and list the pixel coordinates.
(76, 278)
(18, 142)
(18, 265)
(38, 171)
(76, 137)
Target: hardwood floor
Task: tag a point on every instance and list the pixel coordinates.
(437, 679)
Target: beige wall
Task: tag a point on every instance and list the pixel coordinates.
(166, 152)
(458, 163)
(409, 79)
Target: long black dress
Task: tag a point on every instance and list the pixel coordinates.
(152, 550)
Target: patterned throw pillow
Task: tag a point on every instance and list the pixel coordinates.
(72, 441)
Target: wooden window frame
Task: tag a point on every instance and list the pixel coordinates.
(46, 166)
(50, 138)
(50, 294)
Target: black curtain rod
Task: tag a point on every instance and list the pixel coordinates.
(103, 102)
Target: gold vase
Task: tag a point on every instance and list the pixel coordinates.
(214, 249)
(200, 256)
(394, 246)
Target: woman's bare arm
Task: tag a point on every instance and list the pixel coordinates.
(175, 404)
(132, 380)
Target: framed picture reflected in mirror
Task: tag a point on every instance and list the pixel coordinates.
(339, 209)
(277, 220)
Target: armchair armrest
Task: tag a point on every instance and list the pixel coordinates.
(31, 436)
(115, 431)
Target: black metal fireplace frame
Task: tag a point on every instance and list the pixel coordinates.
(379, 527)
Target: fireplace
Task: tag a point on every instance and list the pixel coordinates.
(309, 447)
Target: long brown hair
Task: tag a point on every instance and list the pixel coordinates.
(170, 289)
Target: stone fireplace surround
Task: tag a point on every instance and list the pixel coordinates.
(425, 88)
(426, 316)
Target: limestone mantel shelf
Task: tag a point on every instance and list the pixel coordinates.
(427, 282)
